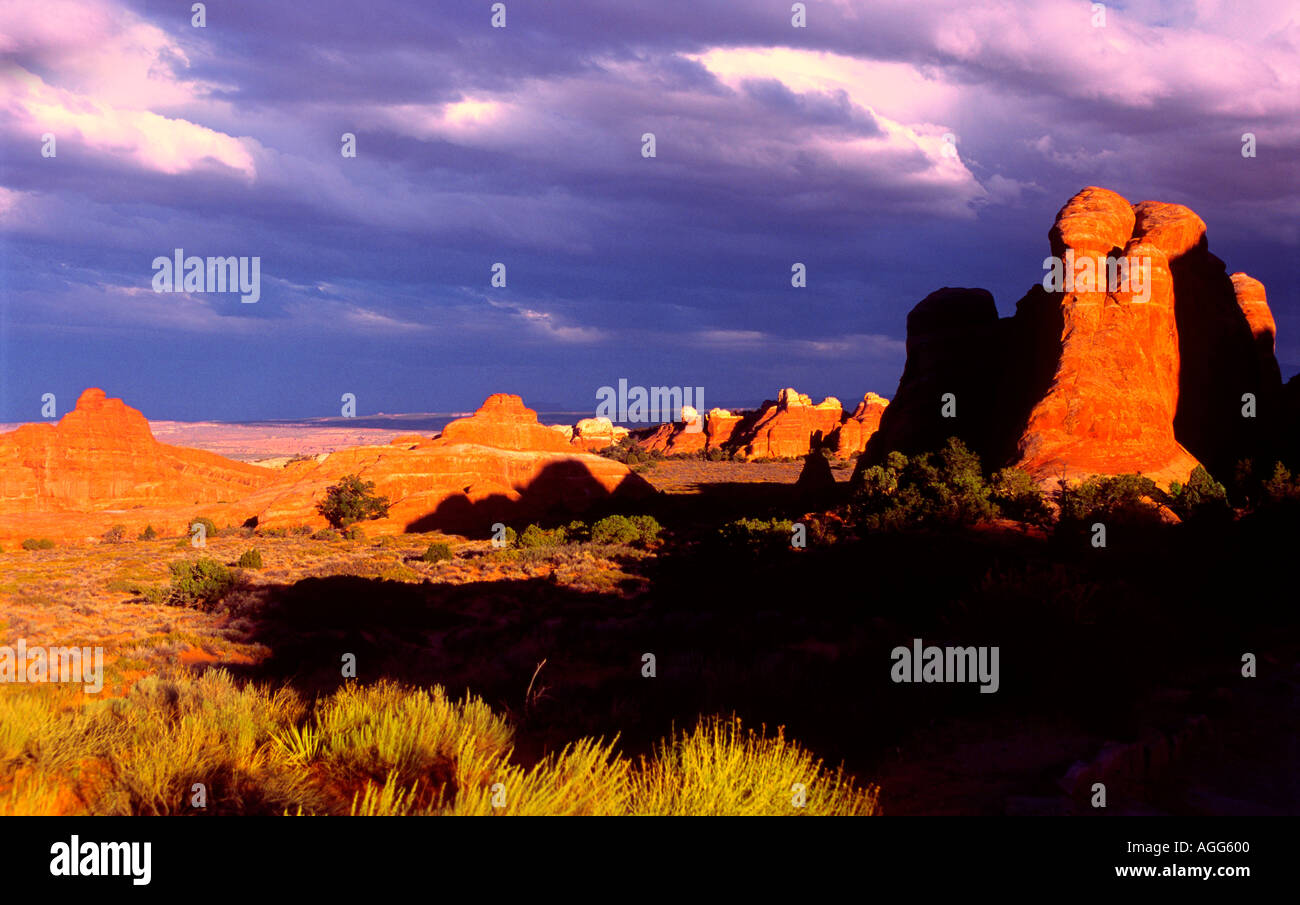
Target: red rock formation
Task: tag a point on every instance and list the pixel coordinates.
(595, 434)
(792, 426)
(503, 421)
(852, 436)
(102, 455)
(101, 466)
(1111, 406)
(1097, 379)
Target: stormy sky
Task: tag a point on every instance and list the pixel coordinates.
(522, 145)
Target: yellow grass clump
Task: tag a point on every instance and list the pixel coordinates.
(207, 745)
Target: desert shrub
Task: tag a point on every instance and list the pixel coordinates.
(536, 536)
(510, 537)
(1018, 497)
(721, 768)
(756, 535)
(378, 750)
(1281, 486)
(398, 572)
(209, 526)
(114, 535)
(437, 552)
(630, 452)
(251, 559)
(301, 530)
(1200, 498)
(354, 532)
(641, 530)
(930, 489)
(199, 582)
(1112, 499)
(325, 534)
(274, 532)
(352, 500)
(42, 543)
(148, 533)
(577, 532)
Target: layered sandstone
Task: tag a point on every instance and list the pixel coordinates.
(504, 422)
(1097, 378)
(789, 426)
(595, 434)
(102, 455)
(852, 437)
(100, 466)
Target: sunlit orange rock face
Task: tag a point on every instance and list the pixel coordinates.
(1111, 406)
(792, 426)
(1097, 378)
(102, 455)
(504, 422)
(101, 466)
(789, 426)
(857, 429)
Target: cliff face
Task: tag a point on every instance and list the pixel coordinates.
(1098, 376)
(789, 426)
(102, 455)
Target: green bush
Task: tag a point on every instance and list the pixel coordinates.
(301, 530)
(354, 532)
(536, 536)
(641, 530)
(757, 535)
(1201, 497)
(929, 489)
(251, 559)
(33, 543)
(199, 582)
(352, 500)
(1125, 498)
(148, 533)
(1017, 496)
(437, 552)
(325, 534)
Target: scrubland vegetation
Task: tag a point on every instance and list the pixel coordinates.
(173, 744)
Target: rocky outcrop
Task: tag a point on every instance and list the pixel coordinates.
(1099, 377)
(852, 437)
(595, 434)
(789, 426)
(792, 426)
(504, 422)
(101, 466)
(102, 455)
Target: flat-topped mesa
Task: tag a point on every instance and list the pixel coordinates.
(102, 455)
(1139, 361)
(504, 422)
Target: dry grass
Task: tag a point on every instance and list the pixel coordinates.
(375, 750)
